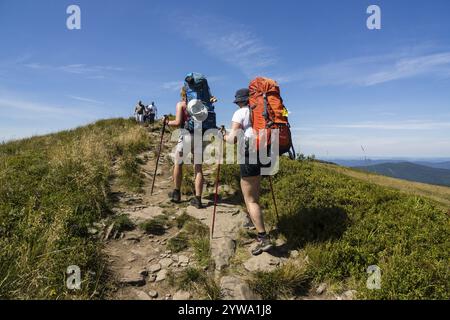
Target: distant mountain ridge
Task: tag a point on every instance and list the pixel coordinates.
(411, 171)
(444, 164)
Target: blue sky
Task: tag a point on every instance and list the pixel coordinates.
(346, 86)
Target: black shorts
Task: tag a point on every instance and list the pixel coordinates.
(252, 170)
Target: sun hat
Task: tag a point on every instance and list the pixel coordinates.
(241, 95)
(197, 110)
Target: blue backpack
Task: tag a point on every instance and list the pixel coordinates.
(197, 87)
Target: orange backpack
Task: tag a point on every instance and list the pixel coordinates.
(268, 112)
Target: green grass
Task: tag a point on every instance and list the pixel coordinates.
(182, 219)
(156, 226)
(122, 223)
(52, 188)
(193, 279)
(202, 251)
(178, 243)
(193, 234)
(346, 225)
(284, 282)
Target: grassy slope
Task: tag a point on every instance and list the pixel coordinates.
(440, 194)
(52, 188)
(345, 225)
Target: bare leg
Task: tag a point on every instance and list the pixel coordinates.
(198, 172)
(177, 176)
(250, 189)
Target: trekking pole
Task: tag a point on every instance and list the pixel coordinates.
(274, 200)
(216, 194)
(159, 153)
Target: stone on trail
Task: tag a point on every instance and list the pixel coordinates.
(349, 295)
(145, 213)
(162, 274)
(182, 295)
(183, 259)
(222, 250)
(294, 254)
(234, 288)
(166, 262)
(321, 288)
(263, 262)
(134, 279)
(133, 236)
(141, 295)
(153, 294)
(154, 268)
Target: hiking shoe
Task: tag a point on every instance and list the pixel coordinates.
(249, 224)
(264, 244)
(175, 196)
(197, 202)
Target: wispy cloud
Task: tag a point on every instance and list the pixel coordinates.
(85, 99)
(231, 42)
(400, 125)
(92, 71)
(373, 70)
(26, 108)
(177, 84)
(172, 85)
(344, 145)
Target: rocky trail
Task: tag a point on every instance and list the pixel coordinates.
(144, 267)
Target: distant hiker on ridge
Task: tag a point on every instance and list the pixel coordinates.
(139, 112)
(152, 112)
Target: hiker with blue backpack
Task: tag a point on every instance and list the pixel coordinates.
(194, 115)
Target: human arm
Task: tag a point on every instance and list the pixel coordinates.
(232, 136)
(178, 116)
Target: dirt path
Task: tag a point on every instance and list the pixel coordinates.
(141, 264)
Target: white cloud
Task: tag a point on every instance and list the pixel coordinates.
(172, 85)
(368, 71)
(400, 125)
(93, 71)
(86, 69)
(346, 145)
(85, 99)
(228, 41)
(176, 85)
(27, 108)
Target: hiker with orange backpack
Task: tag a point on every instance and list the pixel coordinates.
(260, 108)
(194, 112)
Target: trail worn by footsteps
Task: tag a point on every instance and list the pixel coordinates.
(142, 266)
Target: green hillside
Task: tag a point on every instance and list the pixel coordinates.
(412, 172)
(53, 188)
(345, 225)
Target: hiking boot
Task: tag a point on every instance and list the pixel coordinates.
(264, 244)
(249, 224)
(197, 202)
(175, 196)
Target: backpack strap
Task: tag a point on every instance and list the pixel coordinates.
(269, 122)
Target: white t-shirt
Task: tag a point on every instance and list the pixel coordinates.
(242, 116)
